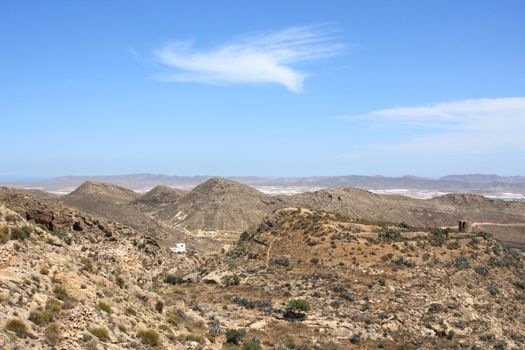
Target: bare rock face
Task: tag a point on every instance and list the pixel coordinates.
(41, 217)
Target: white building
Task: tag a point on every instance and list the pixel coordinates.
(179, 248)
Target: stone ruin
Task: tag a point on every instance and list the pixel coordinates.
(464, 226)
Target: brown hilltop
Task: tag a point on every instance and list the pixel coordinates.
(161, 195)
(219, 205)
(116, 194)
(156, 199)
(113, 203)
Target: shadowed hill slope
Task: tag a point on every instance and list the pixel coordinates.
(157, 199)
(219, 205)
(113, 203)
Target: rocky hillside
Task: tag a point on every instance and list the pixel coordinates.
(506, 219)
(110, 192)
(157, 199)
(73, 281)
(218, 205)
(309, 279)
(113, 203)
(300, 279)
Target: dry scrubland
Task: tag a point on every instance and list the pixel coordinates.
(299, 279)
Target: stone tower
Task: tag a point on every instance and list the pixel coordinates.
(464, 226)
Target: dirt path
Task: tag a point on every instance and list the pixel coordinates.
(268, 252)
(498, 224)
(490, 224)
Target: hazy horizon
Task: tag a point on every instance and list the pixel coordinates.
(28, 178)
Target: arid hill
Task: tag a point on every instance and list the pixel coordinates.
(216, 206)
(300, 279)
(219, 209)
(157, 199)
(506, 219)
(74, 281)
(113, 203)
(315, 280)
(114, 193)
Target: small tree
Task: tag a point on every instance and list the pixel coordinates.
(297, 309)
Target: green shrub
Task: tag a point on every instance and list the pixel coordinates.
(87, 265)
(482, 270)
(148, 337)
(282, 261)
(214, 326)
(520, 285)
(462, 262)
(440, 235)
(229, 346)
(62, 294)
(389, 235)
(173, 279)
(120, 282)
(265, 305)
(231, 280)
(251, 345)
(175, 318)
(299, 305)
(402, 261)
(235, 336)
(42, 227)
(16, 326)
(191, 337)
(296, 310)
(4, 234)
(20, 234)
(10, 218)
(484, 235)
(52, 334)
(100, 332)
(406, 226)
(53, 305)
(104, 307)
(41, 318)
(159, 306)
(130, 311)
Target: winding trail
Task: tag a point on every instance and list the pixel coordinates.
(268, 253)
(498, 224)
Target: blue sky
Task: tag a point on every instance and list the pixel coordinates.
(267, 88)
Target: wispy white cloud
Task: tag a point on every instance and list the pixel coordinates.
(461, 127)
(266, 58)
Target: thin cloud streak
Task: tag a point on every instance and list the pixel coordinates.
(248, 60)
(453, 128)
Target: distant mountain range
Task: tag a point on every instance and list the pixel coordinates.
(490, 185)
